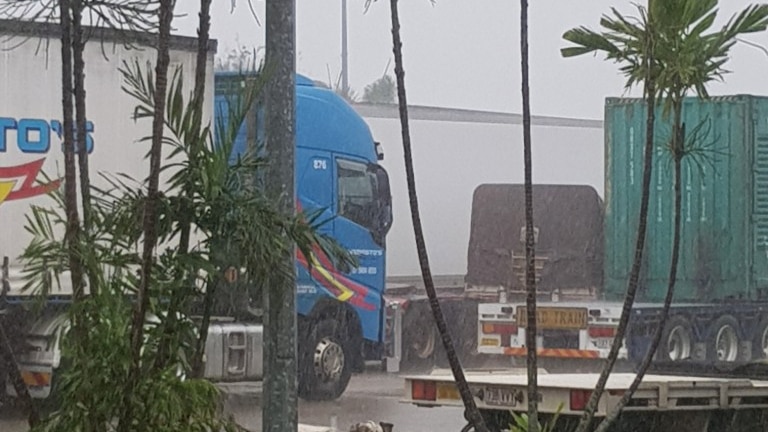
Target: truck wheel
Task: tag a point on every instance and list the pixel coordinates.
(676, 340)
(424, 346)
(760, 342)
(420, 339)
(723, 339)
(325, 364)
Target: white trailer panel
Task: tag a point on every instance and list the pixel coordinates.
(508, 391)
(454, 151)
(31, 112)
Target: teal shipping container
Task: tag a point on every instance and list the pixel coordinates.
(724, 251)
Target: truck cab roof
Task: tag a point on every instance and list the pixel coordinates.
(324, 120)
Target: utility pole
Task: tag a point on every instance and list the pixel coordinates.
(279, 410)
(344, 52)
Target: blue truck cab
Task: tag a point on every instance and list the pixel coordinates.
(340, 315)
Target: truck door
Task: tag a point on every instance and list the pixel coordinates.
(356, 228)
(315, 193)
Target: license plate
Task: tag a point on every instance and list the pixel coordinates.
(603, 343)
(555, 318)
(489, 342)
(495, 396)
(447, 392)
(36, 379)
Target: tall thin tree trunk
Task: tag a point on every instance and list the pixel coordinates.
(198, 366)
(472, 413)
(78, 47)
(530, 252)
(70, 171)
(72, 87)
(634, 275)
(177, 299)
(81, 135)
(280, 408)
(677, 155)
(150, 210)
(203, 36)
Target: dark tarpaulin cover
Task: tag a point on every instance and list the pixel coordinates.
(570, 223)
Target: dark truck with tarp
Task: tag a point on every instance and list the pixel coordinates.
(569, 262)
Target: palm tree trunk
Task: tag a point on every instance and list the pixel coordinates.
(78, 46)
(73, 87)
(203, 35)
(677, 155)
(530, 251)
(198, 367)
(150, 209)
(177, 299)
(634, 275)
(472, 413)
(70, 174)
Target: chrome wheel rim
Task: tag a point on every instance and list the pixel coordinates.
(726, 343)
(329, 360)
(679, 343)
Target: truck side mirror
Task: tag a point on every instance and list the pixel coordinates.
(385, 199)
(383, 211)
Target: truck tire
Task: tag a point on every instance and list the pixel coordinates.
(420, 339)
(723, 339)
(677, 340)
(325, 363)
(760, 341)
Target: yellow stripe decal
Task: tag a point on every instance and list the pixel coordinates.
(346, 293)
(5, 189)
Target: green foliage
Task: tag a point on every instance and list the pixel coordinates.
(691, 56)
(381, 91)
(240, 59)
(627, 41)
(235, 226)
(521, 422)
(685, 54)
(88, 392)
(231, 212)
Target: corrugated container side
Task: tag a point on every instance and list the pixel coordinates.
(760, 200)
(724, 224)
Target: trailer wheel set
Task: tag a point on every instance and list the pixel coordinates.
(422, 347)
(702, 335)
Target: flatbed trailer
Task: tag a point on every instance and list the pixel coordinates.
(661, 403)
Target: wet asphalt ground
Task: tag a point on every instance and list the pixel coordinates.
(370, 396)
(373, 395)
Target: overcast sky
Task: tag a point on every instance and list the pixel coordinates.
(464, 53)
